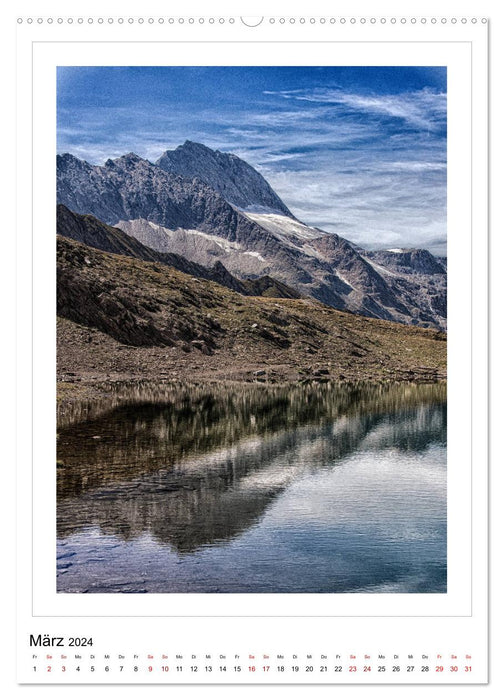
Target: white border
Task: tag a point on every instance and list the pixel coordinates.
(457, 57)
(459, 218)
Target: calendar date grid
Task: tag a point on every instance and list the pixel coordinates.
(252, 665)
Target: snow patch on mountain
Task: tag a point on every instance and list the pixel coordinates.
(254, 254)
(284, 227)
(198, 246)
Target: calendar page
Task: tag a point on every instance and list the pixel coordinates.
(252, 444)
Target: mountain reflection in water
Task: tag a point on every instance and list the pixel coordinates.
(255, 489)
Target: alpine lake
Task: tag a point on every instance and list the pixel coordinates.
(252, 488)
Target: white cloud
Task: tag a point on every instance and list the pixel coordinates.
(422, 108)
(371, 208)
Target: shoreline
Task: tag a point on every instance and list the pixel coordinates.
(87, 400)
(87, 359)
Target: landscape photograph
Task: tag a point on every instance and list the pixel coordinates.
(251, 329)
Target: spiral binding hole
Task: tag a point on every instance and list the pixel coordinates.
(272, 20)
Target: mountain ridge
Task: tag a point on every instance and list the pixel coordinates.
(181, 214)
(87, 229)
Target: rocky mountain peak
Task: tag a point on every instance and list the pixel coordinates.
(127, 161)
(413, 260)
(69, 162)
(194, 147)
(237, 181)
(69, 158)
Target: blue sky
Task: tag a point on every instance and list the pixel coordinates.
(360, 151)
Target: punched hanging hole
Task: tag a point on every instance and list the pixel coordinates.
(251, 21)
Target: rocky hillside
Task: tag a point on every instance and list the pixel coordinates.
(195, 215)
(125, 317)
(89, 230)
